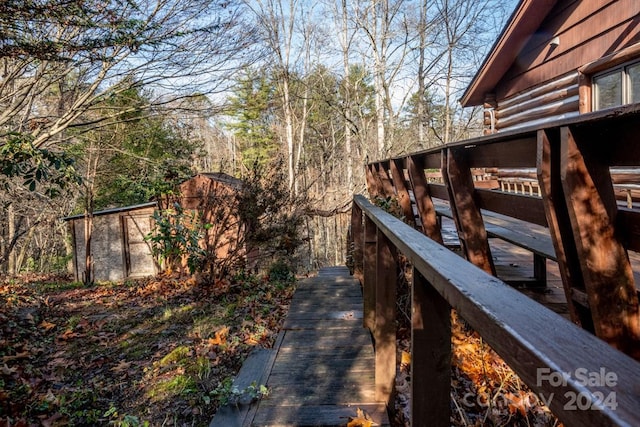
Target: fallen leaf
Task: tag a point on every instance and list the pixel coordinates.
(47, 325)
(220, 336)
(518, 403)
(250, 341)
(405, 358)
(362, 419)
(23, 355)
(68, 334)
(122, 366)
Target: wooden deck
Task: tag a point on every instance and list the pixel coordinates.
(324, 366)
(514, 265)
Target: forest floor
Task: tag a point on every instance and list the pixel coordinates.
(164, 351)
(158, 351)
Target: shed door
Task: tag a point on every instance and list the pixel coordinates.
(139, 261)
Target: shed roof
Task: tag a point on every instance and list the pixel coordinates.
(114, 210)
(524, 22)
(224, 178)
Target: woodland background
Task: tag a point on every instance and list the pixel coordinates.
(109, 103)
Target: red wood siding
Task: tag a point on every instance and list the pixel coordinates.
(587, 30)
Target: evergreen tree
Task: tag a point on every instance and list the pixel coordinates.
(251, 110)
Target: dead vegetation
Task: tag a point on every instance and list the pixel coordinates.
(159, 351)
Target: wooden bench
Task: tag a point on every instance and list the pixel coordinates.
(531, 237)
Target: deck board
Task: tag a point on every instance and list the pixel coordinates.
(324, 367)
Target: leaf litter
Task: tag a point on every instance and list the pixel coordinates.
(153, 351)
(485, 391)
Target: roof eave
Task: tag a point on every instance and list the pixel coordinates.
(523, 23)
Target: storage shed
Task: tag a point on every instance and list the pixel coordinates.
(559, 58)
(118, 244)
(214, 197)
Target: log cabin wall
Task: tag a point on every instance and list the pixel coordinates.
(551, 101)
(547, 79)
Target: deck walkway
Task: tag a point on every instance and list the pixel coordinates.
(323, 369)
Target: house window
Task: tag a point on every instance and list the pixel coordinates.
(617, 87)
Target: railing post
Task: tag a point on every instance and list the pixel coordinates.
(466, 214)
(374, 186)
(607, 273)
(430, 355)
(424, 203)
(369, 275)
(382, 169)
(400, 184)
(357, 239)
(385, 329)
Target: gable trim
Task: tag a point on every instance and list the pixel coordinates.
(523, 23)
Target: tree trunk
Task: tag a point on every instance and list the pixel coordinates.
(288, 120)
(421, 89)
(347, 96)
(11, 254)
(87, 276)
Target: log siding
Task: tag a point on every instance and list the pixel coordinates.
(552, 101)
(540, 74)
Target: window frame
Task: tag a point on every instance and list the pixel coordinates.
(625, 84)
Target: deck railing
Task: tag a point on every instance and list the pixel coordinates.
(579, 164)
(549, 353)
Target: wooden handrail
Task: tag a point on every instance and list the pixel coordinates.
(592, 222)
(550, 354)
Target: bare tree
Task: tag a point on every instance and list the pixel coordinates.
(383, 23)
(177, 47)
(465, 27)
(276, 23)
(62, 61)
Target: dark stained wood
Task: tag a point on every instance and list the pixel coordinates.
(540, 268)
(385, 180)
(533, 340)
(369, 274)
(424, 204)
(430, 355)
(610, 136)
(587, 32)
(519, 153)
(517, 233)
(323, 371)
(357, 237)
(385, 330)
(524, 207)
(548, 159)
(466, 214)
(585, 95)
(628, 221)
(603, 259)
(531, 237)
(438, 191)
(621, 134)
(397, 172)
(374, 185)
